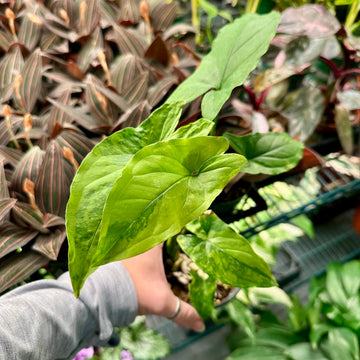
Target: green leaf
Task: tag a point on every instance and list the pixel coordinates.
(269, 153)
(202, 290)
(222, 253)
(350, 276)
(304, 351)
(162, 188)
(344, 128)
(201, 127)
(257, 353)
(305, 224)
(97, 175)
(334, 285)
(143, 342)
(343, 344)
(234, 54)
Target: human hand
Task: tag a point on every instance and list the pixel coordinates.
(154, 293)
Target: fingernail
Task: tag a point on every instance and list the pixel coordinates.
(199, 327)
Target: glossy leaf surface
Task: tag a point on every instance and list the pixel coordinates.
(222, 253)
(235, 52)
(269, 153)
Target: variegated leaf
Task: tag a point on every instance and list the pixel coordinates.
(52, 43)
(12, 237)
(52, 186)
(130, 12)
(30, 28)
(5, 206)
(127, 41)
(31, 80)
(5, 40)
(123, 71)
(79, 144)
(163, 15)
(14, 123)
(10, 66)
(57, 115)
(10, 156)
(137, 89)
(31, 217)
(51, 220)
(159, 90)
(28, 167)
(4, 191)
(50, 244)
(89, 51)
(59, 6)
(99, 105)
(19, 267)
(109, 14)
(91, 17)
(134, 116)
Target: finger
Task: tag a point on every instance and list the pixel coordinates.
(189, 317)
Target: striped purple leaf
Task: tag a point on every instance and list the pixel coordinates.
(28, 167)
(109, 14)
(50, 244)
(100, 107)
(112, 95)
(30, 87)
(88, 54)
(134, 116)
(58, 6)
(5, 40)
(130, 12)
(5, 206)
(4, 191)
(163, 15)
(50, 220)
(25, 213)
(13, 236)
(160, 89)
(92, 17)
(127, 41)
(137, 89)
(52, 186)
(52, 43)
(5, 137)
(10, 156)
(123, 71)
(19, 267)
(30, 30)
(78, 143)
(57, 115)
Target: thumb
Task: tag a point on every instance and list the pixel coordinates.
(189, 317)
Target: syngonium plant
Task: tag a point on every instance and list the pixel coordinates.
(141, 186)
(72, 72)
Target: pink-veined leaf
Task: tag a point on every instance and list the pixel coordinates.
(52, 43)
(79, 144)
(91, 19)
(30, 28)
(109, 14)
(99, 105)
(137, 89)
(5, 206)
(129, 12)
(5, 40)
(52, 186)
(10, 156)
(34, 134)
(163, 15)
(57, 115)
(111, 94)
(50, 244)
(19, 267)
(30, 87)
(51, 220)
(13, 236)
(25, 213)
(122, 71)
(88, 54)
(134, 116)
(4, 191)
(28, 167)
(127, 41)
(65, 5)
(160, 89)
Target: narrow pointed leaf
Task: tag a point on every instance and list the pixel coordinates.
(116, 99)
(160, 89)
(50, 220)
(19, 267)
(50, 244)
(52, 43)
(137, 90)
(28, 168)
(109, 14)
(12, 237)
(128, 42)
(10, 156)
(4, 191)
(29, 32)
(158, 51)
(68, 6)
(224, 254)
(52, 185)
(33, 218)
(92, 17)
(344, 128)
(123, 71)
(182, 178)
(134, 116)
(130, 12)
(269, 153)
(10, 66)
(163, 15)
(202, 293)
(31, 85)
(79, 144)
(235, 53)
(5, 40)
(57, 115)
(5, 206)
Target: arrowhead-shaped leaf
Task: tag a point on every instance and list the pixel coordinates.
(224, 254)
(235, 53)
(269, 153)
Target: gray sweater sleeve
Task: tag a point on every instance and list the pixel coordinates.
(44, 321)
